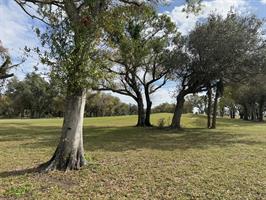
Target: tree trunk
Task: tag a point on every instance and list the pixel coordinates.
(222, 110)
(241, 115)
(176, 120)
(141, 113)
(252, 110)
(261, 109)
(69, 154)
(209, 108)
(214, 112)
(22, 113)
(234, 112)
(245, 113)
(148, 109)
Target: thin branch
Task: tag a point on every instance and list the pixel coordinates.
(154, 90)
(45, 2)
(32, 16)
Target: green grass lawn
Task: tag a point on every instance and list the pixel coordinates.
(137, 163)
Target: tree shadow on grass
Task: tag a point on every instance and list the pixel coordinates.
(127, 138)
(119, 139)
(115, 139)
(8, 134)
(21, 172)
(130, 138)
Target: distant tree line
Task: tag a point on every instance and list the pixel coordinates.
(36, 97)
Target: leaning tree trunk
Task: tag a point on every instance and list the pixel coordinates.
(214, 112)
(69, 154)
(209, 109)
(148, 110)
(176, 120)
(141, 113)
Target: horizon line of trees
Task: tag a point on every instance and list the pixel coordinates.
(35, 97)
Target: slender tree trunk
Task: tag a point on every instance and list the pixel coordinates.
(261, 109)
(253, 115)
(22, 113)
(176, 120)
(69, 154)
(231, 113)
(209, 108)
(234, 112)
(31, 113)
(148, 109)
(245, 113)
(222, 112)
(214, 112)
(141, 113)
(241, 114)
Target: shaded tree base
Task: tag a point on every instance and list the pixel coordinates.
(71, 162)
(144, 125)
(177, 127)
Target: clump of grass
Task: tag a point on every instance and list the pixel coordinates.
(163, 122)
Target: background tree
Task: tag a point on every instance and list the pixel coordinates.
(101, 104)
(32, 96)
(164, 108)
(218, 50)
(137, 40)
(197, 102)
(5, 63)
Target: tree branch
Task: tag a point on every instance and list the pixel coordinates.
(6, 76)
(32, 16)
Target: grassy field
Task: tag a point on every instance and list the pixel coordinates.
(137, 163)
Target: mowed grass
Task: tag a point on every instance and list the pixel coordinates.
(126, 162)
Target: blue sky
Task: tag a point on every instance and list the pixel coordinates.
(16, 30)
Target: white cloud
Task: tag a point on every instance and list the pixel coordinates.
(16, 33)
(186, 22)
(164, 94)
(263, 1)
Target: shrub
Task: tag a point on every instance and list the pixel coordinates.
(161, 122)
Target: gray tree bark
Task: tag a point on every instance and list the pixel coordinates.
(209, 108)
(69, 154)
(176, 120)
(261, 109)
(214, 112)
(148, 109)
(246, 115)
(141, 112)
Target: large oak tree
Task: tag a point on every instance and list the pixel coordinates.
(216, 51)
(137, 41)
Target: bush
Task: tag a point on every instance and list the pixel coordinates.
(161, 122)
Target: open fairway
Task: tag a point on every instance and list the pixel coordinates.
(126, 162)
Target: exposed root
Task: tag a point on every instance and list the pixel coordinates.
(71, 162)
